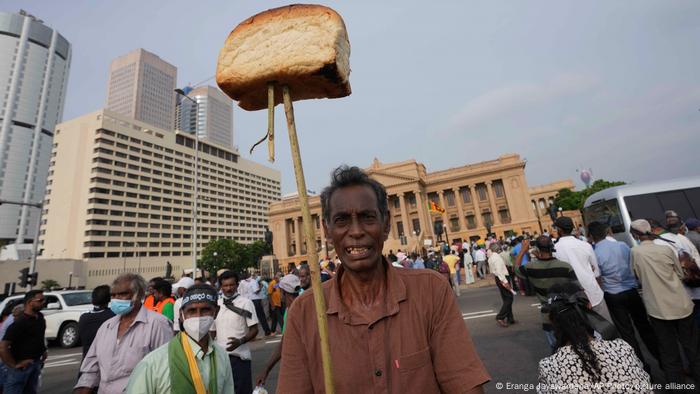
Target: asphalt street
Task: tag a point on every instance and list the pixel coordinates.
(510, 354)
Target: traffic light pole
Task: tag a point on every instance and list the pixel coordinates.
(35, 244)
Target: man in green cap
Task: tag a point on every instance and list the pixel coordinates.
(192, 362)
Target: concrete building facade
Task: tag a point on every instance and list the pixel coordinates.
(211, 117)
(141, 86)
(490, 195)
(120, 195)
(34, 65)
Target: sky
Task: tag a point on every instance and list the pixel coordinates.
(611, 86)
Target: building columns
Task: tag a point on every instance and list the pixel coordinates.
(404, 215)
(285, 237)
(460, 209)
(297, 235)
(441, 195)
(475, 202)
(492, 202)
(423, 214)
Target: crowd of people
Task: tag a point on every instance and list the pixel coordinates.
(650, 291)
(157, 337)
(397, 315)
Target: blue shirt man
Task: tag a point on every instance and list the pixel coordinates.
(516, 250)
(614, 264)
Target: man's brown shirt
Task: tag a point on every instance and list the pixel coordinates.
(419, 344)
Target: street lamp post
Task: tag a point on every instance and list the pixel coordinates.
(196, 183)
(35, 244)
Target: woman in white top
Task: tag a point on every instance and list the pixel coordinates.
(582, 363)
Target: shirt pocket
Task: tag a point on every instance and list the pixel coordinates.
(416, 373)
(134, 354)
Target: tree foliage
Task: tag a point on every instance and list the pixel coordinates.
(574, 200)
(227, 253)
(48, 284)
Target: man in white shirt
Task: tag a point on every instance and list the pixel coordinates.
(500, 271)
(236, 324)
(480, 257)
(581, 257)
(253, 292)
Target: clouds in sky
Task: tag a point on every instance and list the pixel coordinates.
(613, 85)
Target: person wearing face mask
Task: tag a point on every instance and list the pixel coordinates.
(124, 340)
(191, 362)
(236, 324)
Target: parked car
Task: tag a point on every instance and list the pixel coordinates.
(62, 312)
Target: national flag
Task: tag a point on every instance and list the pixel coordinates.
(433, 207)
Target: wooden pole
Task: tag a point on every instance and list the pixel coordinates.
(271, 122)
(312, 254)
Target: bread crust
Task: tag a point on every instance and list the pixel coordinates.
(321, 73)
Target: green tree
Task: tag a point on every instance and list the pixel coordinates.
(224, 253)
(48, 284)
(570, 200)
(256, 250)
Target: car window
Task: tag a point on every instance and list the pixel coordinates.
(82, 298)
(607, 212)
(50, 299)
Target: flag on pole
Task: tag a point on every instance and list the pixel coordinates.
(433, 207)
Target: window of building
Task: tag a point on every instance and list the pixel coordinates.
(481, 191)
(450, 197)
(471, 222)
(498, 189)
(416, 225)
(399, 228)
(454, 224)
(504, 215)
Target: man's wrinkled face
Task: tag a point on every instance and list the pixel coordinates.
(229, 287)
(122, 291)
(356, 227)
(305, 278)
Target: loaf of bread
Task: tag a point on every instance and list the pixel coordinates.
(303, 46)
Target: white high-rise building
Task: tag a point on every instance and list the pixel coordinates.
(34, 65)
(142, 87)
(212, 117)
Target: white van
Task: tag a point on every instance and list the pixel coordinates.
(619, 206)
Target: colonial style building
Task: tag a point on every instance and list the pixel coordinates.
(476, 198)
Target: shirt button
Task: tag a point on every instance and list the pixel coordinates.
(378, 372)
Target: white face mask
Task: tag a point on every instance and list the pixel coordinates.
(198, 327)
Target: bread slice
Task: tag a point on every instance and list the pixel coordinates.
(303, 46)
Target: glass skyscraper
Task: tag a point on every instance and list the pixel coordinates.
(34, 64)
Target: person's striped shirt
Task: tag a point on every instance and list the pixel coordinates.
(544, 274)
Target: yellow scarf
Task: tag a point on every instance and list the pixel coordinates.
(192, 363)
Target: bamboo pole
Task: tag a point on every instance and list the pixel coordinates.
(271, 122)
(312, 254)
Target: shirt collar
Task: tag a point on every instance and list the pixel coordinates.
(197, 350)
(396, 292)
(140, 318)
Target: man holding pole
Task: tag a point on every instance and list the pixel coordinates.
(392, 330)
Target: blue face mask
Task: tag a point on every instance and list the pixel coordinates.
(120, 307)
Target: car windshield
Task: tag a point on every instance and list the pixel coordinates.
(607, 212)
(81, 298)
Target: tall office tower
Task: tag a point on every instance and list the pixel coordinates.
(141, 86)
(34, 64)
(212, 116)
(121, 195)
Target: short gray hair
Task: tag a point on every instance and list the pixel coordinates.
(137, 284)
